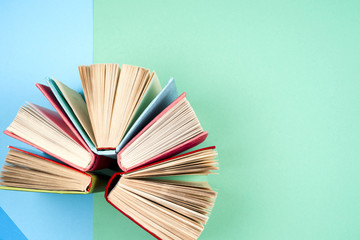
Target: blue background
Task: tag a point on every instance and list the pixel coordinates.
(34, 44)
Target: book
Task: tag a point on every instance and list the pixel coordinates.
(173, 130)
(46, 130)
(28, 171)
(115, 97)
(166, 208)
(69, 103)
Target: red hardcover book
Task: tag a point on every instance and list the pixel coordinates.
(202, 161)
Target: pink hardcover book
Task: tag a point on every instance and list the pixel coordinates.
(97, 162)
(170, 152)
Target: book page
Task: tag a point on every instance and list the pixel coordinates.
(151, 91)
(169, 209)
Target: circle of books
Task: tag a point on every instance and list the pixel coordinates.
(125, 122)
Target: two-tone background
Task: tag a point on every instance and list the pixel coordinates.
(276, 84)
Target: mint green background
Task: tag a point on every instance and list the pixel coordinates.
(276, 84)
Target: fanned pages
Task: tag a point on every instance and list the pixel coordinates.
(167, 209)
(115, 98)
(174, 130)
(25, 171)
(45, 130)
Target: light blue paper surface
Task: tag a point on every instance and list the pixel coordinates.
(8, 228)
(39, 39)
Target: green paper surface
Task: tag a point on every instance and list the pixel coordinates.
(276, 84)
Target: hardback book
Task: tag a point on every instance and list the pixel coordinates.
(47, 131)
(167, 208)
(28, 171)
(172, 131)
(119, 103)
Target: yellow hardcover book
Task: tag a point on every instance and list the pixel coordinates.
(26, 171)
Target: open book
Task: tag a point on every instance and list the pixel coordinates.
(26, 171)
(47, 131)
(167, 209)
(173, 130)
